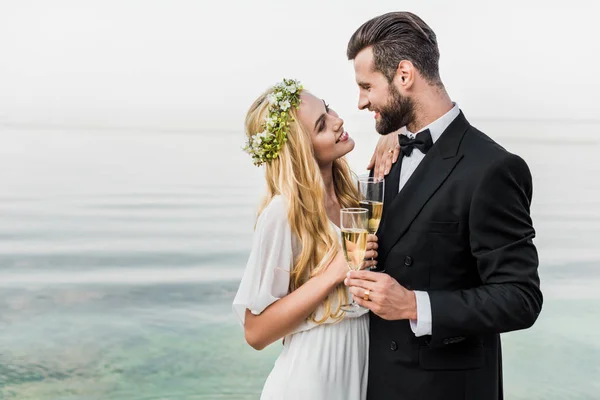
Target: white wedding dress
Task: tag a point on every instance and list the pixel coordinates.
(317, 362)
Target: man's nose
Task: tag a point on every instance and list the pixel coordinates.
(362, 102)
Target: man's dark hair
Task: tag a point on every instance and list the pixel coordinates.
(398, 36)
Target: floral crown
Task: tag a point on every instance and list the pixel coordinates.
(265, 146)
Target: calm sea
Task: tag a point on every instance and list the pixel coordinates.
(121, 251)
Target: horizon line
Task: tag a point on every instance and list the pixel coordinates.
(162, 129)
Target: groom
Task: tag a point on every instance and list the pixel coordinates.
(457, 261)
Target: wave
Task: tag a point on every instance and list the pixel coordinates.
(122, 276)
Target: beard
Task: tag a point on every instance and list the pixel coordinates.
(399, 112)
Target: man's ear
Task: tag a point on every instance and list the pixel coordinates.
(405, 74)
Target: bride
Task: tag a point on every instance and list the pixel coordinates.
(292, 286)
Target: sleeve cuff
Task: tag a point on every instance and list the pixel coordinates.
(422, 326)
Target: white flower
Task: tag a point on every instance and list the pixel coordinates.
(272, 99)
(271, 121)
(279, 95)
(264, 135)
(256, 141)
(292, 88)
(284, 105)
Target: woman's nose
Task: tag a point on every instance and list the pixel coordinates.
(338, 124)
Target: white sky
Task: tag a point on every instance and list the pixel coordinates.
(197, 65)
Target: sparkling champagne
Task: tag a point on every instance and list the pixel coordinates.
(354, 243)
(375, 209)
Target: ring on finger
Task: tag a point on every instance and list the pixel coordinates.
(366, 295)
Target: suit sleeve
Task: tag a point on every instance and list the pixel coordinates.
(501, 240)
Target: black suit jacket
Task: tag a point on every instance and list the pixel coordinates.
(461, 230)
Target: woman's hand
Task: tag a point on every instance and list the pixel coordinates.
(386, 153)
(371, 254)
(338, 268)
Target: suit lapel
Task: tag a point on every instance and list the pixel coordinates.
(423, 183)
(392, 182)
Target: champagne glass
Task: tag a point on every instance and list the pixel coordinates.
(354, 224)
(371, 198)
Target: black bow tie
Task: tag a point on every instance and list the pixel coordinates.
(422, 142)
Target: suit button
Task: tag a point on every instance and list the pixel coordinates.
(408, 261)
(393, 346)
(446, 341)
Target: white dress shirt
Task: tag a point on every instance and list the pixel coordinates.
(422, 326)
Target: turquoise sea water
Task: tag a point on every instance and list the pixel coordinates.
(120, 254)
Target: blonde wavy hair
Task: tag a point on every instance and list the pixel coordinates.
(296, 176)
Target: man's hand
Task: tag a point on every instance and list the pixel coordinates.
(387, 298)
(386, 153)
